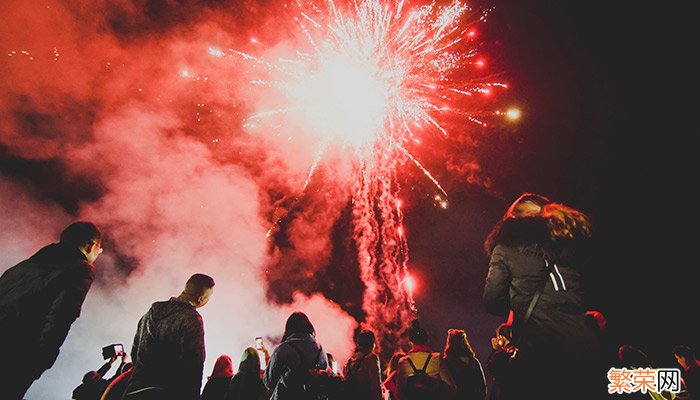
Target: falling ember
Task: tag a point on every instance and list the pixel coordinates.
(375, 79)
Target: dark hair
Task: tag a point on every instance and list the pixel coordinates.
(298, 322)
(365, 339)
(416, 334)
(80, 234)
(250, 362)
(631, 356)
(457, 344)
(684, 351)
(198, 283)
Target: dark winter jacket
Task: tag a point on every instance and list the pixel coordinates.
(517, 268)
(247, 386)
(168, 351)
(468, 377)
(40, 298)
(215, 388)
(363, 375)
(286, 359)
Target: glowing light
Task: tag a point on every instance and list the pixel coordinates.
(377, 78)
(513, 114)
(409, 283)
(214, 52)
(185, 73)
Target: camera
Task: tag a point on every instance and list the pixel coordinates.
(259, 343)
(113, 350)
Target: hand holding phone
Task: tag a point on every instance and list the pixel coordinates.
(259, 343)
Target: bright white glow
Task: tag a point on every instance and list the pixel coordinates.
(349, 101)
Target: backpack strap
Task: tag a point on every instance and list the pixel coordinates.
(425, 365)
(427, 360)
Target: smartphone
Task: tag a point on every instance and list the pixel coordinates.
(259, 342)
(113, 350)
(334, 367)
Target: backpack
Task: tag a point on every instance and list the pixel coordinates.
(420, 385)
(308, 383)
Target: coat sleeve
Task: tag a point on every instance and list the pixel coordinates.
(65, 309)
(496, 297)
(275, 368)
(371, 369)
(192, 342)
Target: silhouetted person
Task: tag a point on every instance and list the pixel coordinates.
(539, 245)
(94, 384)
(498, 369)
(168, 350)
(218, 381)
(299, 349)
(421, 357)
(465, 369)
(690, 370)
(40, 298)
(247, 383)
(362, 372)
(632, 358)
(390, 375)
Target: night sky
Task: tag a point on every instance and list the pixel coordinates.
(599, 132)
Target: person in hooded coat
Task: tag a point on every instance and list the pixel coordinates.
(540, 243)
(168, 351)
(40, 298)
(218, 381)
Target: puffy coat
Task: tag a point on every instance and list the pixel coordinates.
(40, 298)
(517, 268)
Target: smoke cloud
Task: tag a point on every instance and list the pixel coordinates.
(126, 114)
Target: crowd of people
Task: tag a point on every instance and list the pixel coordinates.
(550, 344)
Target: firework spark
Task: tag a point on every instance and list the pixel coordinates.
(375, 78)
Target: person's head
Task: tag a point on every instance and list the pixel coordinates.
(527, 205)
(630, 356)
(198, 289)
(457, 344)
(223, 366)
(85, 236)
(566, 223)
(365, 340)
(298, 324)
(684, 355)
(416, 334)
(91, 376)
(250, 362)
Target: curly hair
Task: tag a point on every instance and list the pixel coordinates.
(565, 222)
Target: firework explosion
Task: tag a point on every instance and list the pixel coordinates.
(374, 79)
